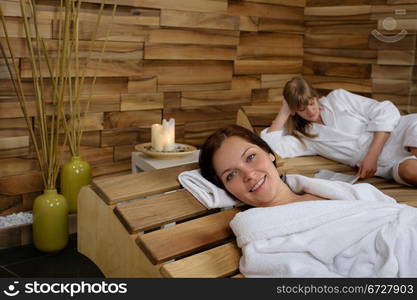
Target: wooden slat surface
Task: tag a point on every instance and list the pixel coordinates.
(128, 187)
(221, 261)
(185, 238)
(155, 211)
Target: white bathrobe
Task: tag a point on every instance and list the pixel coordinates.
(361, 232)
(350, 121)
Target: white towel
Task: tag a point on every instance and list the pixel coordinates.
(206, 192)
(361, 232)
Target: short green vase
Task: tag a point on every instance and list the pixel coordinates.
(50, 222)
(75, 174)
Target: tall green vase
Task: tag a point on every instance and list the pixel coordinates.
(50, 222)
(75, 174)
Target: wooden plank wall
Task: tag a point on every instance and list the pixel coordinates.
(197, 61)
(365, 46)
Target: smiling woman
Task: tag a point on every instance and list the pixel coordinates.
(307, 227)
(239, 161)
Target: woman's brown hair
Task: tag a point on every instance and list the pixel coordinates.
(213, 143)
(298, 92)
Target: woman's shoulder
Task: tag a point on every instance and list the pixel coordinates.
(337, 93)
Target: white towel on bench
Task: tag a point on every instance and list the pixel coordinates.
(362, 233)
(206, 192)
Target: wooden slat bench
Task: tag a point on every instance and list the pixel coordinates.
(120, 219)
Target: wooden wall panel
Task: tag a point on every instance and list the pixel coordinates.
(365, 46)
(197, 61)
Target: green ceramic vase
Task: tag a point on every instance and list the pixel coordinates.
(75, 174)
(50, 222)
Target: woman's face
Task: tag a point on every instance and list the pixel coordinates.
(310, 112)
(247, 172)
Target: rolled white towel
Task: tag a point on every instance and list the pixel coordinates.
(206, 192)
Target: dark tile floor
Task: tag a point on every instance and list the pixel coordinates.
(27, 261)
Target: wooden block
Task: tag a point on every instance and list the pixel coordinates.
(186, 52)
(22, 183)
(93, 155)
(142, 84)
(391, 86)
(184, 72)
(105, 68)
(249, 82)
(338, 12)
(124, 152)
(111, 168)
(144, 214)
(93, 121)
(188, 5)
(28, 199)
(295, 3)
(119, 137)
(121, 50)
(193, 99)
(113, 120)
(14, 127)
(142, 101)
(221, 261)
(271, 40)
(331, 83)
(396, 99)
(15, 28)
(178, 18)
(4, 73)
(406, 43)
(18, 45)
(336, 41)
(356, 56)
(194, 36)
(16, 166)
(185, 238)
(284, 66)
(172, 100)
(393, 57)
(392, 72)
(116, 32)
(197, 132)
(10, 205)
(138, 185)
(259, 52)
(10, 8)
(337, 69)
(275, 80)
(383, 11)
(248, 23)
(7, 143)
(226, 85)
(89, 13)
(189, 114)
(281, 12)
(279, 25)
(91, 138)
(336, 27)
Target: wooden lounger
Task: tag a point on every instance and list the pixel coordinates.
(122, 223)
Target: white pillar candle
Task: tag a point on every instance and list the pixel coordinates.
(157, 137)
(169, 134)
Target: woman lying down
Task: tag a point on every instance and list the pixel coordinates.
(306, 227)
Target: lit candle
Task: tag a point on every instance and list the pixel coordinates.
(169, 134)
(157, 137)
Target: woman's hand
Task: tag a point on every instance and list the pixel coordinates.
(368, 166)
(281, 118)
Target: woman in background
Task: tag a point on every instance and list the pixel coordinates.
(348, 128)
